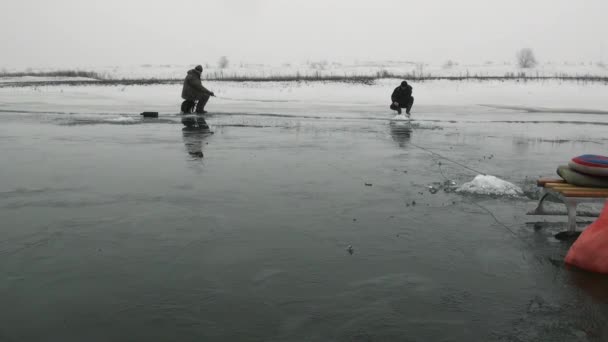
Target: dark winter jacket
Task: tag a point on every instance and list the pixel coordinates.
(193, 88)
(401, 95)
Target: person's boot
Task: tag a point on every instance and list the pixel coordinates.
(200, 105)
(409, 106)
(399, 111)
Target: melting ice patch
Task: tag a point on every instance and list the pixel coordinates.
(122, 119)
(100, 119)
(490, 185)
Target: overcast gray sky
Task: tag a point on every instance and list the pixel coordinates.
(63, 33)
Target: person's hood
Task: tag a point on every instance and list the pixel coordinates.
(194, 72)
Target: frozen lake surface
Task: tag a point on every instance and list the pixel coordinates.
(116, 227)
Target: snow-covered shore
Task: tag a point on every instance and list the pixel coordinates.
(332, 69)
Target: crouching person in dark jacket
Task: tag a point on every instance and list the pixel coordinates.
(402, 98)
(194, 91)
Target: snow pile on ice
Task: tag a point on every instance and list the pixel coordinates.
(490, 185)
(401, 117)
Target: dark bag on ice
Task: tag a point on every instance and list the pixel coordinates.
(187, 107)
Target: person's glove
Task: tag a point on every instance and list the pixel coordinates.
(212, 94)
(396, 103)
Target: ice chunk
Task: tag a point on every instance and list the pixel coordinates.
(490, 185)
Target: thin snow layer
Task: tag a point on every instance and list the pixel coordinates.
(491, 186)
(361, 68)
(122, 119)
(19, 79)
(458, 101)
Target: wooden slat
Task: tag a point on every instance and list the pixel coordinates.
(580, 188)
(577, 193)
(569, 190)
(559, 185)
(544, 180)
(562, 188)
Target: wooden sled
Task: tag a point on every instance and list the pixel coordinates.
(570, 195)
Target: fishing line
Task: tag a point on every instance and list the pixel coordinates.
(477, 172)
(488, 211)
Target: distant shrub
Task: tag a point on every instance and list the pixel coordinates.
(223, 62)
(449, 64)
(58, 73)
(420, 70)
(382, 74)
(526, 58)
(320, 65)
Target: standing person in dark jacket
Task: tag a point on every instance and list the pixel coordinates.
(193, 89)
(402, 98)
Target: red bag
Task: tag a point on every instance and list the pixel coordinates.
(590, 251)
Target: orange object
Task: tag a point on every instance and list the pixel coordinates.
(590, 251)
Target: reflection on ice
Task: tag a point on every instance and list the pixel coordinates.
(401, 132)
(193, 141)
